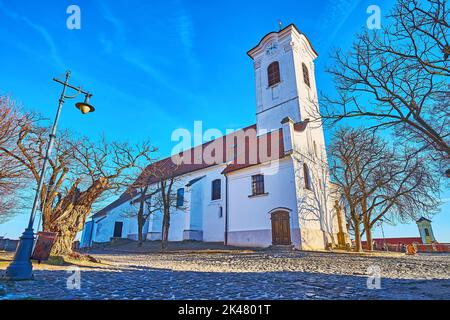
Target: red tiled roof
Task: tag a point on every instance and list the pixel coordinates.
(262, 155)
(205, 155)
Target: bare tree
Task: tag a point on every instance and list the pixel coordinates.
(80, 172)
(13, 175)
(99, 167)
(146, 199)
(166, 179)
(344, 153)
(423, 26)
(408, 188)
(397, 78)
(380, 181)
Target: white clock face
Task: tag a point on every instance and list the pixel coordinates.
(272, 48)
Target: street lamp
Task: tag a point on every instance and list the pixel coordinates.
(21, 267)
(85, 107)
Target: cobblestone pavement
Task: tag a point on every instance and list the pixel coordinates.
(261, 275)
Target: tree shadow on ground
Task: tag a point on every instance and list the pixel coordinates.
(130, 246)
(144, 283)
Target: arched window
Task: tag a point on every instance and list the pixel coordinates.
(306, 177)
(180, 197)
(216, 190)
(306, 75)
(427, 233)
(273, 73)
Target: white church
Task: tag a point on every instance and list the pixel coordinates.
(271, 190)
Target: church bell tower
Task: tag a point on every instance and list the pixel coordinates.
(284, 75)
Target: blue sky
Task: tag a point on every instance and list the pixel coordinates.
(155, 66)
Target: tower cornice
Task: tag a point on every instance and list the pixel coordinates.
(280, 34)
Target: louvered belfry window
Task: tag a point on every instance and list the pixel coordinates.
(306, 75)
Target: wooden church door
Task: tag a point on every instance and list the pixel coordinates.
(281, 228)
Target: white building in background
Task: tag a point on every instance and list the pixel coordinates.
(282, 198)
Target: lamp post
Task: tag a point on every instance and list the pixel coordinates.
(21, 267)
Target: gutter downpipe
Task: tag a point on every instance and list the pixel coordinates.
(226, 210)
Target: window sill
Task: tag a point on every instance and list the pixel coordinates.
(274, 85)
(258, 195)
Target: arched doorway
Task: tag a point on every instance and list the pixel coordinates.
(281, 228)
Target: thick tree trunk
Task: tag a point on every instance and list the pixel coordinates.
(140, 216)
(70, 213)
(366, 220)
(368, 231)
(64, 241)
(357, 229)
(140, 228)
(165, 230)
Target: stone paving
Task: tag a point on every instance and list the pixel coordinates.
(259, 275)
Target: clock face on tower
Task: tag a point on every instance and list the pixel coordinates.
(272, 48)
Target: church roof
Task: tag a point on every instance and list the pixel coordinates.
(194, 181)
(262, 155)
(257, 150)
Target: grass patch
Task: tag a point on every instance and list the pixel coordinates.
(56, 262)
(74, 259)
(4, 264)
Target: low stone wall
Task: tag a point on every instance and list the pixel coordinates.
(8, 245)
(424, 248)
(435, 247)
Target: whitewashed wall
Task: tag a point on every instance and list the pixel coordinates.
(213, 223)
(249, 217)
(104, 226)
(201, 214)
